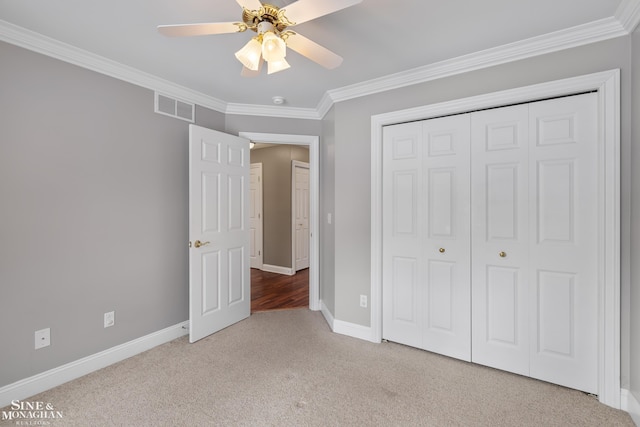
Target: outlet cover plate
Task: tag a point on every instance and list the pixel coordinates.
(363, 301)
(42, 338)
(109, 319)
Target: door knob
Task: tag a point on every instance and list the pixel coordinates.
(441, 250)
(198, 243)
(502, 254)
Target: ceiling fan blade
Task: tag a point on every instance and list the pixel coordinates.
(250, 4)
(313, 50)
(181, 30)
(306, 10)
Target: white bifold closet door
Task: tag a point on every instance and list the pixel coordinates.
(490, 234)
(566, 196)
(500, 235)
(426, 240)
(535, 233)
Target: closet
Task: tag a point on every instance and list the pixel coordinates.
(490, 233)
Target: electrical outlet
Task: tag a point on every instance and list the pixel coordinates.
(43, 338)
(109, 319)
(363, 301)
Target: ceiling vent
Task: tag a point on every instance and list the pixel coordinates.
(172, 107)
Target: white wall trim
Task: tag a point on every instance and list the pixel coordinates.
(313, 142)
(278, 269)
(624, 22)
(65, 52)
(346, 328)
(353, 330)
(628, 14)
(54, 377)
(327, 314)
(273, 111)
(325, 104)
(629, 403)
(564, 39)
(607, 84)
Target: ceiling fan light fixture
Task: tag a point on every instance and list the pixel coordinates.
(270, 23)
(273, 47)
(250, 53)
(277, 65)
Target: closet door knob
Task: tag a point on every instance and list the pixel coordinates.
(198, 243)
(441, 250)
(502, 254)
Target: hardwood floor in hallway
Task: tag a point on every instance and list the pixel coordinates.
(272, 291)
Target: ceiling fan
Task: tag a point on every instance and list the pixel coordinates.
(271, 24)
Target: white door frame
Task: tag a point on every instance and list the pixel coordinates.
(607, 85)
(295, 164)
(313, 142)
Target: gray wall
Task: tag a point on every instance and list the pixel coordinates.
(276, 199)
(634, 299)
(327, 206)
(353, 157)
(93, 212)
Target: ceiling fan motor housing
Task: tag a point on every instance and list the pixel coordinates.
(267, 13)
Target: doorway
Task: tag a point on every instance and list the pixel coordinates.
(312, 273)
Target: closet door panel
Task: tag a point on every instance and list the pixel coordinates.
(499, 177)
(446, 243)
(402, 269)
(564, 194)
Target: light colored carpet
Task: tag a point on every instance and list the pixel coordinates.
(286, 368)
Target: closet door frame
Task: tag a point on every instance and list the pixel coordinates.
(607, 86)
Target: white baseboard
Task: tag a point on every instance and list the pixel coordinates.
(353, 330)
(629, 403)
(277, 269)
(346, 328)
(54, 377)
(327, 314)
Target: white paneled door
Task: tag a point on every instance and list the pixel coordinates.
(490, 238)
(564, 195)
(300, 203)
(255, 216)
(219, 279)
(446, 245)
(426, 235)
(500, 200)
(402, 291)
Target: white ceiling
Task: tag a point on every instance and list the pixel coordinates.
(376, 38)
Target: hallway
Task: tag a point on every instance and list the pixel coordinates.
(272, 291)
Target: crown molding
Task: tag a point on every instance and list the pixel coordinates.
(564, 39)
(324, 105)
(273, 111)
(628, 14)
(39, 43)
(626, 19)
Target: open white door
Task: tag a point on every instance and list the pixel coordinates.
(219, 278)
